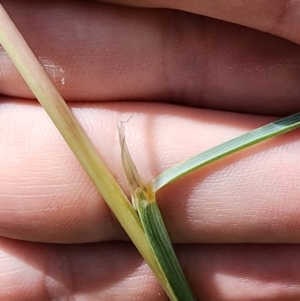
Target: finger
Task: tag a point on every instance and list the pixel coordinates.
(278, 17)
(99, 52)
(252, 196)
(115, 271)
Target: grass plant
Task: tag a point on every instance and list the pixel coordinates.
(142, 221)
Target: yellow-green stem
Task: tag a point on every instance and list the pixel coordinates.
(44, 90)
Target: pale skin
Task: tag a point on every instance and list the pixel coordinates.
(221, 218)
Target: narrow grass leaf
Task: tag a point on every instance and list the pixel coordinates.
(268, 131)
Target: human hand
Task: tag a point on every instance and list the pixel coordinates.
(140, 61)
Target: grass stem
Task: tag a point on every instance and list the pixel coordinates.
(42, 87)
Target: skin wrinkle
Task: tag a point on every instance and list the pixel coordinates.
(185, 69)
(171, 41)
(63, 275)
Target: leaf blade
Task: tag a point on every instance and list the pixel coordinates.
(258, 135)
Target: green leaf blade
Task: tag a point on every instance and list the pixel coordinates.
(263, 133)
